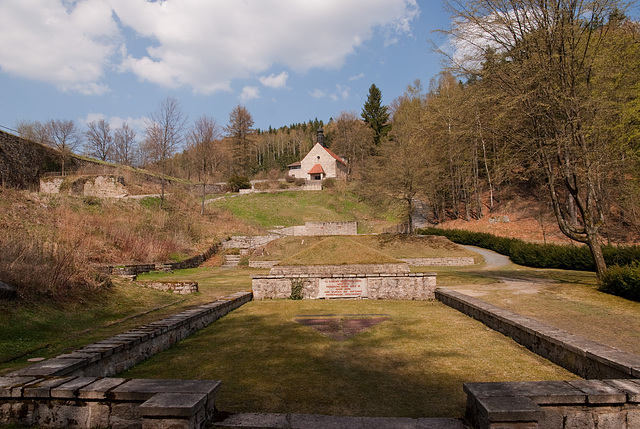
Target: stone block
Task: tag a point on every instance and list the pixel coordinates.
(633, 418)
(611, 420)
(11, 386)
(579, 420)
(52, 367)
(99, 414)
(509, 409)
(630, 387)
(184, 405)
(148, 423)
(62, 416)
(142, 390)
(69, 390)
(42, 388)
(100, 388)
(599, 392)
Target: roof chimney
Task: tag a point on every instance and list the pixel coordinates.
(320, 136)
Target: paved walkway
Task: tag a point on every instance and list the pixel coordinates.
(492, 259)
(316, 421)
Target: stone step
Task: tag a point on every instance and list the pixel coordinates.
(231, 260)
(316, 421)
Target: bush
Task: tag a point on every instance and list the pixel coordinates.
(237, 182)
(297, 285)
(290, 179)
(622, 281)
(329, 183)
(299, 181)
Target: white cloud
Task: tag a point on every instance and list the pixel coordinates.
(200, 44)
(356, 77)
(273, 81)
(67, 47)
(138, 124)
(249, 93)
(342, 92)
(317, 93)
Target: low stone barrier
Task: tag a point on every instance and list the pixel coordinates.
(583, 357)
(440, 262)
(181, 288)
(585, 404)
(408, 286)
(132, 270)
(328, 270)
(92, 402)
(263, 264)
(69, 390)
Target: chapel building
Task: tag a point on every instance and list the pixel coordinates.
(319, 164)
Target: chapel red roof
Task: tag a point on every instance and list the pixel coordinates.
(317, 169)
(334, 155)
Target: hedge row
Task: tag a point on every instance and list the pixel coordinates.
(540, 255)
(622, 281)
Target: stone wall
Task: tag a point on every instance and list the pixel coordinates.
(92, 402)
(263, 264)
(132, 270)
(585, 404)
(328, 270)
(579, 355)
(102, 186)
(407, 286)
(71, 390)
(181, 288)
(331, 228)
(440, 262)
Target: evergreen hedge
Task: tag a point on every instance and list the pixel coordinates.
(622, 281)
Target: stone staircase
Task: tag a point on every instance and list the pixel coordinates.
(231, 261)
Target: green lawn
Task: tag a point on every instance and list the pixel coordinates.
(412, 364)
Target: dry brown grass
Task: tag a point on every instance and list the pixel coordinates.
(51, 242)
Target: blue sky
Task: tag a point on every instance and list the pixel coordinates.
(286, 61)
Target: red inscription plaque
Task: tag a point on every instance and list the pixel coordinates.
(343, 288)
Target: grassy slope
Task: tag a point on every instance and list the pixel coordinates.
(296, 208)
(338, 251)
(394, 246)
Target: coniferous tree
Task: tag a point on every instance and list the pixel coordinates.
(375, 114)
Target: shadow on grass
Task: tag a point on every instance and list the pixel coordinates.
(407, 366)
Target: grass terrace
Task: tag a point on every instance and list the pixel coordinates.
(411, 364)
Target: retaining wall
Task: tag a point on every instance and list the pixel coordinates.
(181, 288)
(407, 286)
(135, 269)
(440, 262)
(69, 390)
(584, 404)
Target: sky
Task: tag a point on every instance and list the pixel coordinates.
(286, 61)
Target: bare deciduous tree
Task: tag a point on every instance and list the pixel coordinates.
(64, 136)
(164, 134)
(124, 145)
(99, 141)
(204, 143)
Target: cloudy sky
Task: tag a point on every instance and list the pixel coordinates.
(285, 60)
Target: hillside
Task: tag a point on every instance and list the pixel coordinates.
(522, 214)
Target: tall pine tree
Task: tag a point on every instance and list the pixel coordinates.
(375, 114)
